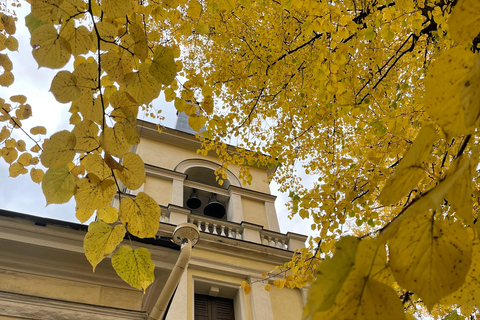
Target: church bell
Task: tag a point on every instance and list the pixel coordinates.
(214, 208)
(193, 202)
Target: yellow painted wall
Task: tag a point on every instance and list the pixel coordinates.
(169, 156)
(287, 304)
(234, 260)
(48, 287)
(159, 189)
(254, 212)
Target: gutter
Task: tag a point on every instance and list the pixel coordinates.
(186, 235)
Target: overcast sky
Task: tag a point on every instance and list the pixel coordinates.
(21, 194)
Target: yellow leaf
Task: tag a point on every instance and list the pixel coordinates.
(25, 159)
(8, 23)
(140, 47)
(19, 98)
(36, 148)
(5, 62)
(135, 267)
(86, 133)
(38, 130)
(108, 214)
(247, 288)
(75, 118)
(430, 257)
(21, 146)
(16, 169)
(100, 240)
(86, 75)
(115, 141)
(452, 95)
(120, 100)
(141, 85)
(194, 9)
(6, 79)
(196, 122)
(49, 49)
(9, 155)
(47, 10)
(133, 173)
(268, 287)
(64, 87)
(90, 107)
(58, 185)
(11, 43)
(207, 104)
(80, 39)
(364, 299)
(95, 164)
(93, 193)
(468, 295)
(23, 112)
(163, 66)
(410, 169)
(116, 8)
(59, 150)
(83, 214)
(36, 175)
(464, 22)
(141, 215)
(116, 65)
(460, 193)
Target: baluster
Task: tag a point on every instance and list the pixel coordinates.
(283, 244)
(229, 232)
(239, 235)
(214, 231)
(199, 226)
(206, 227)
(270, 241)
(222, 230)
(264, 240)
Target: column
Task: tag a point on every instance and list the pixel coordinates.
(177, 192)
(178, 308)
(260, 299)
(271, 216)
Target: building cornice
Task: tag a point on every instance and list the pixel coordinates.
(31, 307)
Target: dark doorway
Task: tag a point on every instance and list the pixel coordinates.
(213, 308)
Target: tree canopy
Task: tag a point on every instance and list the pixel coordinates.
(379, 99)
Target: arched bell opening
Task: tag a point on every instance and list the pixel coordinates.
(210, 204)
(204, 201)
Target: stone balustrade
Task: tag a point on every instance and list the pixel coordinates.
(245, 231)
(274, 239)
(216, 226)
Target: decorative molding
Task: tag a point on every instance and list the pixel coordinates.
(157, 172)
(251, 194)
(195, 163)
(31, 307)
(206, 187)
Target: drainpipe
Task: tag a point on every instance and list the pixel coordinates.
(185, 235)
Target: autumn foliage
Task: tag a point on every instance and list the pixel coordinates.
(378, 99)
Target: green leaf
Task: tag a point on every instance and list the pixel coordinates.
(331, 274)
(58, 185)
